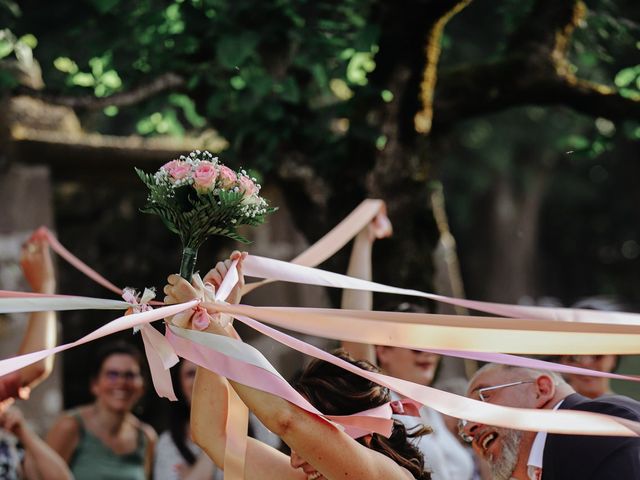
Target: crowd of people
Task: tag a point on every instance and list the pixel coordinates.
(105, 440)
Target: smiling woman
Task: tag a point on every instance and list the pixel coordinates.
(104, 439)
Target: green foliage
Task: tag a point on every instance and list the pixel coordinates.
(104, 80)
(259, 73)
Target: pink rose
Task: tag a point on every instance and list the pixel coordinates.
(170, 165)
(228, 177)
(177, 169)
(247, 187)
(204, 178)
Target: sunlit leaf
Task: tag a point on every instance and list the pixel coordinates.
(111, 79)
(6, 48)
(626, 76)
(83, 79)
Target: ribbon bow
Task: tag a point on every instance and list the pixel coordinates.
(199, 316)
(138, 303)
(159, 352)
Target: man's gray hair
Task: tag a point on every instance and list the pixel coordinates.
(531, 373)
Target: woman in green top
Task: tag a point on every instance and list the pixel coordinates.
(104, 440)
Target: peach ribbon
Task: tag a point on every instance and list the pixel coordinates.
(209, 356)
(467, 333)
(334, 240)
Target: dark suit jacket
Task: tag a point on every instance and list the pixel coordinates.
(580, 457)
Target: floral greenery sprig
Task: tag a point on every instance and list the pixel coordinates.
(196, 197)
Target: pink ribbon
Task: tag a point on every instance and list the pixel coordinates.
(117, 325)
(566, 421)
(159, 353)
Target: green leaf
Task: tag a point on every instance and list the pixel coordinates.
(65, 64)
(238, 82)
(188, 109)
(290, 91)
(6, 48)
(83, 79)
(29, 40)
(233, 50)
(111, 79)
(626, 76)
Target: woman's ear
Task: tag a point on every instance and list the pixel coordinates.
(545, 390)
(380, 352)
(367, 440)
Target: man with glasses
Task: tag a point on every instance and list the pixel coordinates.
(522, 455)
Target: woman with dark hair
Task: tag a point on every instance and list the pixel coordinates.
(176, 456)
(319, 450)
(104, 440)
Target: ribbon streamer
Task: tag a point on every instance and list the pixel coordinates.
(478, 334)
(262, 267)
(565, 421)
(124, 322)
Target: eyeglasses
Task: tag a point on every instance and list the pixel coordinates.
(582, 359)
(484, 393)
(465, 438)
(128, 375)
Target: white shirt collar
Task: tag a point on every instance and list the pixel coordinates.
(537, 450)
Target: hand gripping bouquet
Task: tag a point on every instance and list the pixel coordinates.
(196, 197)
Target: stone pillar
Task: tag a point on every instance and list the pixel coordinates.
(25, 204)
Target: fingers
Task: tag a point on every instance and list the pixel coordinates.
(381, 226)
(216, 274)
(178, 290)
(240, 256)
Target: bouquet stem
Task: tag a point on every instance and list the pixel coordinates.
(188, 264)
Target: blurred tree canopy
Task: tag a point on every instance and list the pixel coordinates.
(525, 110)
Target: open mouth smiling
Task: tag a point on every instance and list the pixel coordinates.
(485, 441)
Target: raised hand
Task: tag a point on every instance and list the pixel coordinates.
(380, 227)
(178, 290)
(37, 265)
(217, 274)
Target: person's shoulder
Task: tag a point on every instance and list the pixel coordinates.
(66, 429)
(149, 432)
(70, 421)
(616, 405)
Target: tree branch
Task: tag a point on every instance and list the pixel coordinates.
(423, 118)
(534, 70)
(166, 81)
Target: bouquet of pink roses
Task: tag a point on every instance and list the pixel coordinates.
(196, 196)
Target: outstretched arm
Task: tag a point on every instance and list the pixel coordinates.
(41, 328)
(360, 266)
(321, 444)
